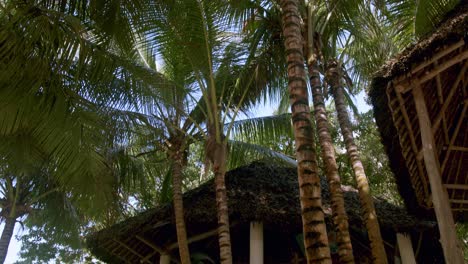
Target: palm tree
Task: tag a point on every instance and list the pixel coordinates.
(223, 74)
(64, 100)
(25, 195)
(171, 130)
(340, 218)
(332, 23)
(370, 216)
(193, 34)
(314, 228)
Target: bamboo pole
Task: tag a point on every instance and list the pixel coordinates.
(448, 236)
(412, 139)
(405, 82)
(454, 136)
(447, 101)
(439, 55)
(165, 259)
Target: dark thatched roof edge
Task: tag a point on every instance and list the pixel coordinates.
(451, 30)
(259, 191)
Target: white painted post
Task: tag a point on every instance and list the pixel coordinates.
(256, 243)
(164, 259)
(406, 248)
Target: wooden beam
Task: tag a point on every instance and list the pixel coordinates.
(161, 251)
(459, 201)
(405, 86)
(165, 259)
(438, 56)
(454, 135)
(457, 148)
(199, 237)
(195, 238)
(440, 94)
(446, 104)
(412, 136)
(151, 245)
(130, 249)
(147, 257)
(451, 247)
(406, 248)
(456, 186)
(442, 67)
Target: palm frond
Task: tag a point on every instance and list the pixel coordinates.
(242, 153)
(262, 129)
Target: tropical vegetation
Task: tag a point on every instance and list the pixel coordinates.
(108, 108)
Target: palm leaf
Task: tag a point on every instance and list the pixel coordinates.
(242, 153)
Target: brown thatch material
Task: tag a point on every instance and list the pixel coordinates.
(263, 192)
(401, 73)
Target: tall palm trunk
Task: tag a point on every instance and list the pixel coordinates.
(7, 233)
(178, 158)
(368, 209)
(314, 228)
(216, 150)
(340, 219)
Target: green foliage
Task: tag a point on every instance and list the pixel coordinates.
(372, 154)
(415, 19)
(201, 258)
(87, 120)
(462, 232)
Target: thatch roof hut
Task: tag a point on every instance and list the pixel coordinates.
(420, 104)
(257, 193)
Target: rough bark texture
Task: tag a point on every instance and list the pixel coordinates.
(314, 228)
(178, 204)
(7, 233)
(217, 153)
(368, 209)
(340, 218)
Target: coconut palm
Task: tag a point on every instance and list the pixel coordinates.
(64, 99)
(20, 197)
(328, 153)
(57, 84)
(324, 137)
(331, 27)
(314, 228)
(170, 130)
(370, 216)
(202, 38)
(373, 39)
(202, 69)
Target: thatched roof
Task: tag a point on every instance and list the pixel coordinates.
(264, 192)
(438, 64)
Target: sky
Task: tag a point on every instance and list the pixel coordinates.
(264, 110)
(14, 247)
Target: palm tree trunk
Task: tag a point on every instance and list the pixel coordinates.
(216, 150)
(7, 233)
(179, 206)
(368, 209)
(314, 228)
(340, 218)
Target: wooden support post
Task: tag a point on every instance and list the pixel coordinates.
(164, 259)
(406, 248)
(256, 243)
(452, 250)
